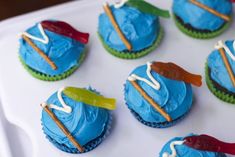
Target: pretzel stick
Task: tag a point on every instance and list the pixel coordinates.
(116, 27)
(40, 52)
(225, 17)
(227, 65)
(63, 128)
(151, 101)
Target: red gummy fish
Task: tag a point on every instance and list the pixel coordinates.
(208, 143)
(175, 72)
(66, 30)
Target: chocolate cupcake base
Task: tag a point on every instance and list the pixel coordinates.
(158, 125)
(219, 91)
(196, 33)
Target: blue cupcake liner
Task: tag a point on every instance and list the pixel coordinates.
(87, 147)
(157, 125)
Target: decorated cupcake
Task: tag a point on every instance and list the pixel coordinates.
(131, 29)
(202, 18)
(160, 94)
(220, 70)
(197, 146)
(52, 50)
(76, 120)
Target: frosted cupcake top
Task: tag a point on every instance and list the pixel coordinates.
(172, 95)
(218, 70)
(140, 29)
(63, 50)
(177, 148)
(84, 113)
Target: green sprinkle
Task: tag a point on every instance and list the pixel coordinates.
(148, 8)
(90, 98)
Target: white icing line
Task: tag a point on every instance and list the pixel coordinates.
(220, 45)
(44, 40)
(43, 105)
(105, 3)
(65, 108)
(154, 84)
(120, 3)
(150, 75)
(173, 150)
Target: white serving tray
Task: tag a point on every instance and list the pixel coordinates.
(21, 94)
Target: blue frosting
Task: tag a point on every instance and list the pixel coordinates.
(140, 29)
(219, 72)
(185, 151)
(200, 18)
(175, 97)
(85, 122)
(63, 51)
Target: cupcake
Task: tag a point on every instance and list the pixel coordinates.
(76, 120)
(130, 29)
(220, 70)
(195, 146)
(52, 50)
(160, 94)
(202, 18)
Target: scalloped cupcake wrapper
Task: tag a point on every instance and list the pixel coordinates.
(218, 93)
(45, 77)
(200, 35)
(89, 146)
(157, 125)
(134, 55)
